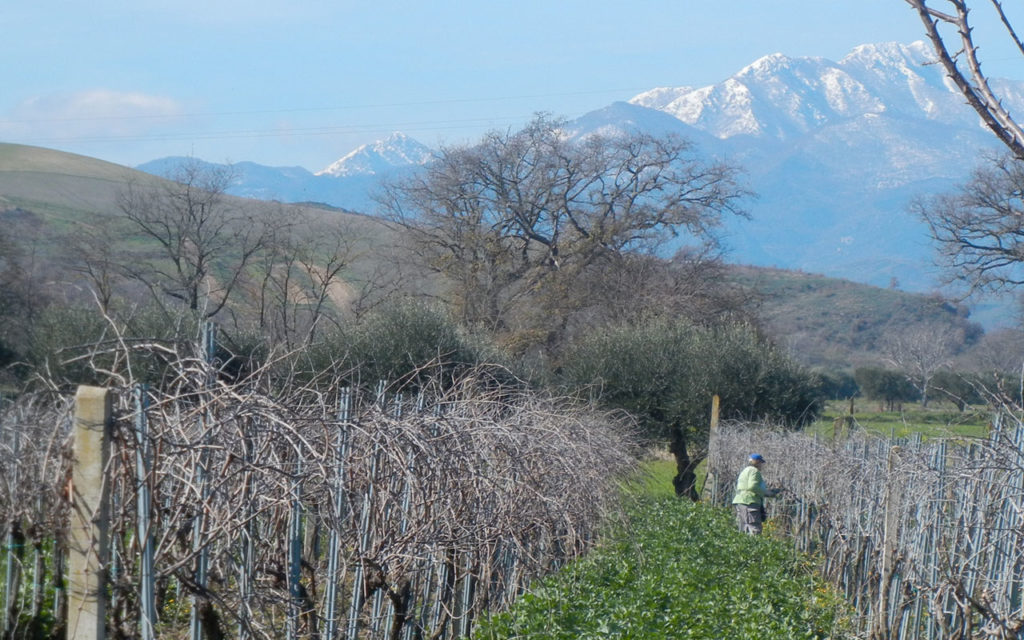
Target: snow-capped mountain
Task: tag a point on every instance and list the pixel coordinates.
(381, 157)
(348, 183)
(836, 151)
(783, 98)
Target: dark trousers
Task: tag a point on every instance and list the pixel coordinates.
(749, 518)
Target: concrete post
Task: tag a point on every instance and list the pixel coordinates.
(710, 480)
(88, 542)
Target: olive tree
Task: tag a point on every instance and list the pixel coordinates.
(516, 223)
(890, 387)
(665, 374)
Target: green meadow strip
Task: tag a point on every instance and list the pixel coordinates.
(677, 570)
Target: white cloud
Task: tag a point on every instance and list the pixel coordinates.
(89, 114)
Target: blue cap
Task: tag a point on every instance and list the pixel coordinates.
(757, 456)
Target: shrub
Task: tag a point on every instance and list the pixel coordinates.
(404, 342)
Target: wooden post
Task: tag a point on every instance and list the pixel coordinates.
(715, 401)
(709, 476)
(88, 540)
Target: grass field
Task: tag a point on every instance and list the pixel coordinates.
(939, 420)
(676, 570)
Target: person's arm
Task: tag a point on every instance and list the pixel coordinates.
(762, 489)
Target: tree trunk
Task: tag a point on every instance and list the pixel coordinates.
(685, 480)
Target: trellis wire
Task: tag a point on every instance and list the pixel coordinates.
(925, 539)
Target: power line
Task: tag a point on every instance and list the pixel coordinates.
(354, 107)
(435, 125)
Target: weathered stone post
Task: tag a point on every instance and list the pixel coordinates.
(88, 541)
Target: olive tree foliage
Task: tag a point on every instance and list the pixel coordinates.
(959, 387)
(515, 223)
(402, 342)
(889, 387)
(665, 374)
(205, 239)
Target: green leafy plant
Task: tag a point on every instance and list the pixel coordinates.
(673, 569)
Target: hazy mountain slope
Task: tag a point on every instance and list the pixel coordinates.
(58, 184)
(838, 323)
(58, 189)
(348, 183)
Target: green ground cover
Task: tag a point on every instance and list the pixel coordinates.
(676, 570)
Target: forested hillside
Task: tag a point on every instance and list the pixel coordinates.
(836, 323)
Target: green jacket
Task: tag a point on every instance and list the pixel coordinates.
(750, 487)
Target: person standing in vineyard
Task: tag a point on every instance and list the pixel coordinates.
(750, 494)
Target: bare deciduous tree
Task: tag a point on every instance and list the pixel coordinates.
(980, 228)
(524, 215)
(921, 351)
(98, 262)
(949, 29)
(300, 278)
(1001, 350)
(206, 240)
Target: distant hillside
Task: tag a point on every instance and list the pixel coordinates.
(826, 321)
(47, 197)
(838, 323)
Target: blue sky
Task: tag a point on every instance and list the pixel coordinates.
(304, 83)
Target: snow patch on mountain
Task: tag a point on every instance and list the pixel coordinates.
(380, 157)
(659, 97)
(784, 98)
